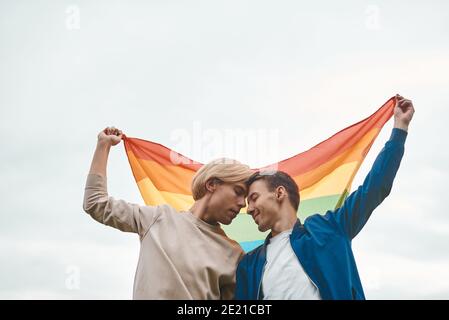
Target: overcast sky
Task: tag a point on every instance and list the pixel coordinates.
(289, 73)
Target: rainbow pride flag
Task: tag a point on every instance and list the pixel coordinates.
(323, 173)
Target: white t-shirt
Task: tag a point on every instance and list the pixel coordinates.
(284, 278)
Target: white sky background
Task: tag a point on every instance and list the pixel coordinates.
(152, 68)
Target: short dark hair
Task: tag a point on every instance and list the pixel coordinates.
(276, 179)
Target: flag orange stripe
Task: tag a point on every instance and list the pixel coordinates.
(165, 177)
(356, 154)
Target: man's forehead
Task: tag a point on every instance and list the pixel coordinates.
(257, 186)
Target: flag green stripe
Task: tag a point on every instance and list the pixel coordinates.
(319, 205)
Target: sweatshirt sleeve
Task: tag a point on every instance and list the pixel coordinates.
(118, 214)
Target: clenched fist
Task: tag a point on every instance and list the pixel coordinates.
(403, 112)
(110, 136)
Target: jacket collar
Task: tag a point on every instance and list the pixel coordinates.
(298, 229)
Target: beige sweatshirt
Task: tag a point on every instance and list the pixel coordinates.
(181, 256)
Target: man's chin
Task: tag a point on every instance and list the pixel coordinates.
(227, 221)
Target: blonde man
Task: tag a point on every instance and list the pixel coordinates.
(183, 255)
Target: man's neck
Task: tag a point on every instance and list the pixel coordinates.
(286, 221)
(199, 210)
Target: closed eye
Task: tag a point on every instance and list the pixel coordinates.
(253, 197)
(239, 192)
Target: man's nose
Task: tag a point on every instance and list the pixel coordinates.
(250, 209)
(241, 202)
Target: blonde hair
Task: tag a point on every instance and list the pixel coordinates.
(226, 170)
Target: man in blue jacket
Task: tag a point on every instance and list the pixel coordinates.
(314, 260)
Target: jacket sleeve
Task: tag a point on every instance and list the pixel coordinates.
(118, 214)
(357, 208)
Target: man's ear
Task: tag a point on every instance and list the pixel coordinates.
(281, 193)
(211, 185)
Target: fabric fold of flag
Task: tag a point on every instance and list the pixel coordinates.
(323, 173)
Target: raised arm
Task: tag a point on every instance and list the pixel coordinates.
(106, 139)
(357, 208)
(97, 203)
